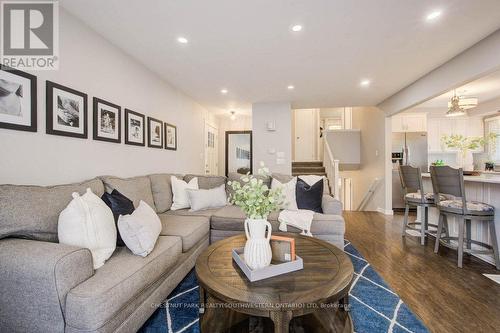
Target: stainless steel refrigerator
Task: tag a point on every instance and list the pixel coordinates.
(414, 148)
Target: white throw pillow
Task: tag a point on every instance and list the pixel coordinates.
(140, 230)
(288, 190)
(204, 199)
(179, 192)
(88, 222)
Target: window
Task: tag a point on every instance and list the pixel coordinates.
(493, 126)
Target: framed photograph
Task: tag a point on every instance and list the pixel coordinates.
(17, 100)
(170, 137)
(107, 121)
(134, 128)
(66, 111)
(155, 133)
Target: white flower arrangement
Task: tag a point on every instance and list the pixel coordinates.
(254, 197)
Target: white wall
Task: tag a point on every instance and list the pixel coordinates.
(241, 123)
(90, 64)
(371, 121)
(279, 140)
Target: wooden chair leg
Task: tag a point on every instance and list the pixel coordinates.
(439, 232)
(405, 220)
(423, 225)
(461, 227)
(445, 226)
(468, 234)
(494, 244)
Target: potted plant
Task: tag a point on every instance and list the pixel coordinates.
(464, 145)
(257, 200)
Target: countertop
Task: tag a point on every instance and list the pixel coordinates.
(483, 178)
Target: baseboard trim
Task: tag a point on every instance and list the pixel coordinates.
(385, 211)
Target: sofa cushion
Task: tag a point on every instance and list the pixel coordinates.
(206, 182)
(191, 229)
(282, 178)
(134, 188)
(187, 212)
(32, 212)
(231, 218)
(122, 278)
(161, 187)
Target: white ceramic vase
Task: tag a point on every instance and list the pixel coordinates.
(257, 250)
(465, 160)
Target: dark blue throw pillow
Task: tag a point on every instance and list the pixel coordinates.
(309, 197)
(120, 205)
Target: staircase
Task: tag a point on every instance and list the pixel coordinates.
(308, 168)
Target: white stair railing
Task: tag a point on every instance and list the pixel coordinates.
(368, 195)
(332, 170)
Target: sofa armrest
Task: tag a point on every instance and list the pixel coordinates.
(330, 205)
(35, 278)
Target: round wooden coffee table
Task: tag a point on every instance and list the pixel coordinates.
(314, 299)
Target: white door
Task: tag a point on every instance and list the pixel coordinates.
(211, 151)
(306, 134)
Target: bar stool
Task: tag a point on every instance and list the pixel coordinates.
(411, 180)
(449, 182)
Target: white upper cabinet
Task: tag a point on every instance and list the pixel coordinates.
(413, 122)
(439, 127)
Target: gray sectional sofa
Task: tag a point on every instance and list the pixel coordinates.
(50, 287)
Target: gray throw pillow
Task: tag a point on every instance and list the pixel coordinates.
(205, 199)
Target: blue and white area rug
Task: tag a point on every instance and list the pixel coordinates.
(374, 306)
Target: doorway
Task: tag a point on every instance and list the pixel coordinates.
(306, 135)
(211, 150)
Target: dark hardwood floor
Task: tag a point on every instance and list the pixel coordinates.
(445, 297)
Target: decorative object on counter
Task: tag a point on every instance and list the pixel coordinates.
(283, 249)
(438, 163)
(411, 180)
(465, 145)
(257, 201)
(489, 166)
(66, 111)
(17, 100)
(449, 182)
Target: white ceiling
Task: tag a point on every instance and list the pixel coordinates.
(485, 89)
(248, 48)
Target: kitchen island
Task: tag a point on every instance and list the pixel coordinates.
(484, 188)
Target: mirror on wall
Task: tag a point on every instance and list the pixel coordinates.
(238, 152)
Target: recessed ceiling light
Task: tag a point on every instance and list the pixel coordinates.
(434, 15)
(182, 40)
(223, 91)
(297, 28)
(365, 83)
(290, 87)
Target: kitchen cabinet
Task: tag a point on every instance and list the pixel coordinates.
(438, 127)
(412, 122)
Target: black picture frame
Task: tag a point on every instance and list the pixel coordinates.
(165, 135)
(228, 133)
(49, 92)
(32, 127)
(118, 125)
(128, 113)
(150, 142)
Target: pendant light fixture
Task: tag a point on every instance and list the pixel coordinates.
(454, 108)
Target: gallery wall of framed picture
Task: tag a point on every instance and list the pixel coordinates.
(66, 114)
